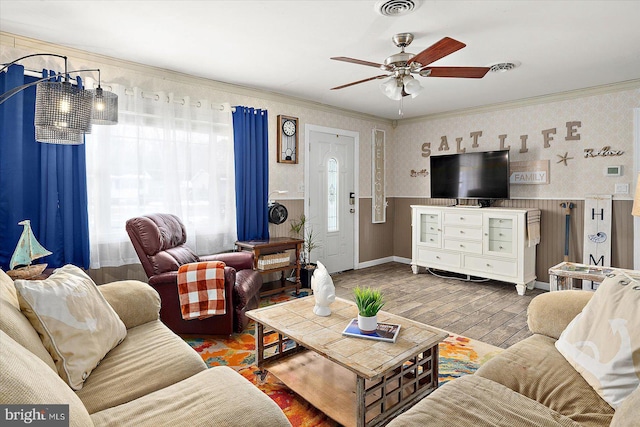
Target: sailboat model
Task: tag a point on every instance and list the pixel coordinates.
(27, 250)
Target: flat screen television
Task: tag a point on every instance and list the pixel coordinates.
(478, 175)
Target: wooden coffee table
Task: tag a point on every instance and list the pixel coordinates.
(355, 381)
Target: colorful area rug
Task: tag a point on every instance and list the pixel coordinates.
(458, 356)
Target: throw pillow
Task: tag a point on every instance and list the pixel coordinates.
(76, 324)
(603, 342)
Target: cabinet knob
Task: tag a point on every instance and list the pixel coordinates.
(461, 218)
(437, 256)
(462, 246)
(488, 265)
(501, 247)
(461, 232)
(486, 234)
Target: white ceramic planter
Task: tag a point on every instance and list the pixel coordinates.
(367, 325)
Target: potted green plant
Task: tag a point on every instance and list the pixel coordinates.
(301, 230)
(369, 302)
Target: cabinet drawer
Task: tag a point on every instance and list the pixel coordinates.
(494, 266)
(463, 233)
(463, 246)
(430, 228)
(430, 239)
(505, 248)
(501, 234)
(438, 258)
(463, 218)
(429, 217)
(500, 223)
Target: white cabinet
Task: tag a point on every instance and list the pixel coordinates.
(487, 242)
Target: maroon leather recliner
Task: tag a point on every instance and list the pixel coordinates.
(159, 240)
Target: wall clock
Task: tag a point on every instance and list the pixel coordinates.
(287, 139)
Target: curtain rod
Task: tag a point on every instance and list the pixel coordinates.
(225, 106)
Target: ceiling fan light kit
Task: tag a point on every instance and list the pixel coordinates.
(404, 65)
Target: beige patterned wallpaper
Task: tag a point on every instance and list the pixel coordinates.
(606, 120)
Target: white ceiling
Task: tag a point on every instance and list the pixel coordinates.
(285, 46)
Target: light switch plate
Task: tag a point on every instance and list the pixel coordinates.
(622, 189)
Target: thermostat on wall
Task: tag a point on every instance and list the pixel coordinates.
(613, 171)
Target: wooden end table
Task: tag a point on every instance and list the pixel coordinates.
(271, 246)
(355, 381)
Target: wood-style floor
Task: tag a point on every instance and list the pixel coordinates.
(489, 311)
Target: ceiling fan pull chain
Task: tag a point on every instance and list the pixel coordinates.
(400, 110)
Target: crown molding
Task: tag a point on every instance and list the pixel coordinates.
(29, 44)
(536, 100)
(20, 42)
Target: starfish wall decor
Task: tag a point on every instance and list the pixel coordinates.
(564, 158)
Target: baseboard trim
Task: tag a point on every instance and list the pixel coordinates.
(379, 261)
(542, 285)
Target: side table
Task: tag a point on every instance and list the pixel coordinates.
(271, 246)
(563, 275)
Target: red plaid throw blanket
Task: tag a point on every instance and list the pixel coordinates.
(201, 289)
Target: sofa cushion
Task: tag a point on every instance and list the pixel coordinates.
(27, 380)
(473, 401)
(76, 324)
(628, 413)
(603, 343)
(534, 368)
(16, 325)
(215, 397)
(135, 302)
(150, 358)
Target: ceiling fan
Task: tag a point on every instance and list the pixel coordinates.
(403, 65)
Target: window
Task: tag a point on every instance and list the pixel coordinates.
(332, 195)
(163, 156)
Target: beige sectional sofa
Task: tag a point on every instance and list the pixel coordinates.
(529, 384)
(152, 378)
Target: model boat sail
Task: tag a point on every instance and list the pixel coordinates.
(27, 250)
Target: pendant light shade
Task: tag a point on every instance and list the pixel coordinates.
(59, 136)
(62, 109)
(105, 107)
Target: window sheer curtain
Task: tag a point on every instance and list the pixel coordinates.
(167, 154)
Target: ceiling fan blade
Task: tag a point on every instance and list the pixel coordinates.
(464, 72)
(356, 61)
(361, 81)
(438, 50)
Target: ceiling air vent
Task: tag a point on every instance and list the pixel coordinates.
(503, 67)
(396, 7)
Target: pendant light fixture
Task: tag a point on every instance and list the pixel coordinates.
(105, 106)
(65, 112)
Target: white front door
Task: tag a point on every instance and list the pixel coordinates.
(331, 203)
